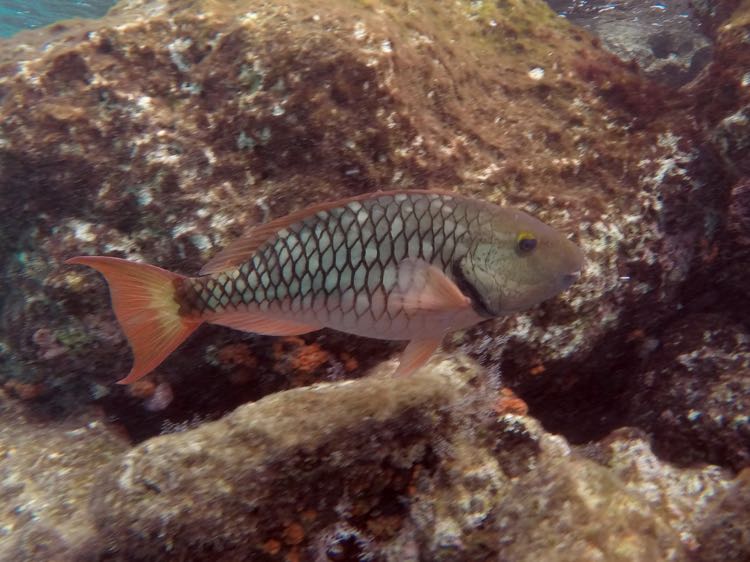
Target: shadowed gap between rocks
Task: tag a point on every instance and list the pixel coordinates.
(215, 390)
(601, 398)
(604, 384)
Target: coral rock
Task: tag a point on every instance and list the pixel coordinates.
(394, 469)
(226, 486)
(694, 394)
(46, 475)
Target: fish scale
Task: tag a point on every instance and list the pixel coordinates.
(404, 265)
(338, 259)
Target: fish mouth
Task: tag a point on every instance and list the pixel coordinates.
(569, 278)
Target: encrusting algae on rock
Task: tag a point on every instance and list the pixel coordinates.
(402, 265)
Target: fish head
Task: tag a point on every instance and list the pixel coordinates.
(517, 263)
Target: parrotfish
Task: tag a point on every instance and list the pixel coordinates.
(395, 265)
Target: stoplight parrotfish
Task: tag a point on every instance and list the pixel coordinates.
(394, 265)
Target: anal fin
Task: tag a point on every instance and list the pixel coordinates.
(259, 324)
(415, 355)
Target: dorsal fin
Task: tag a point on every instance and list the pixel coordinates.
(245, 246)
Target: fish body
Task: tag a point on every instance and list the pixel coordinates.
(406, 265)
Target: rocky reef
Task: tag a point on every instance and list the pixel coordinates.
(610, 423)
(424, 468)
(668, 44)
(46, 470)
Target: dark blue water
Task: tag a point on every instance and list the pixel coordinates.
(16, 15)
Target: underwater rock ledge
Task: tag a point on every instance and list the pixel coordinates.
(47, 472)
(384, 467)
(395, 471)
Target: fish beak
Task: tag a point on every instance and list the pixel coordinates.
(569, 278)
(575, 264)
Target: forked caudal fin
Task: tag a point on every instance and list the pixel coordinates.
(143, 301)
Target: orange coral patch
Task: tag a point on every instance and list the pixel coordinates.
(237, 354)
(272, 547)
(294, 534)
(509, 403)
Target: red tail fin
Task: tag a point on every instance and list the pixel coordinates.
(143, 301)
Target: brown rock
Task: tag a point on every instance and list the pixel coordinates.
(164, 130)
(686, 498)
(724, 537)
(713, 13)
(389, 467)
(723, 95)
(739, 216)
(225, 487)
(47, 469)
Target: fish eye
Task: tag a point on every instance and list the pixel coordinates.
(526, 242)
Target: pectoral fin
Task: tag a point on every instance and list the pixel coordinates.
(422, 287)
(415, 355)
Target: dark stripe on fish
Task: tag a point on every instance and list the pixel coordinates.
(465, 286)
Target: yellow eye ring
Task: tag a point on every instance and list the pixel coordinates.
(526, 242)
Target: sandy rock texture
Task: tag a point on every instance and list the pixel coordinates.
(47, 471)
(407, 469)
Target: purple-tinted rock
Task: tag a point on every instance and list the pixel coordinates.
(739, 213)
(663, 37)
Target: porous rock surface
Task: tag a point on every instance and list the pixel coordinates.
(698, 388)
(47, 471)
(665, 38)
(381, 469)
(404, 469)
(725, 111)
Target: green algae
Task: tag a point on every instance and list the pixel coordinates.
(74, 337)
(251, 78)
